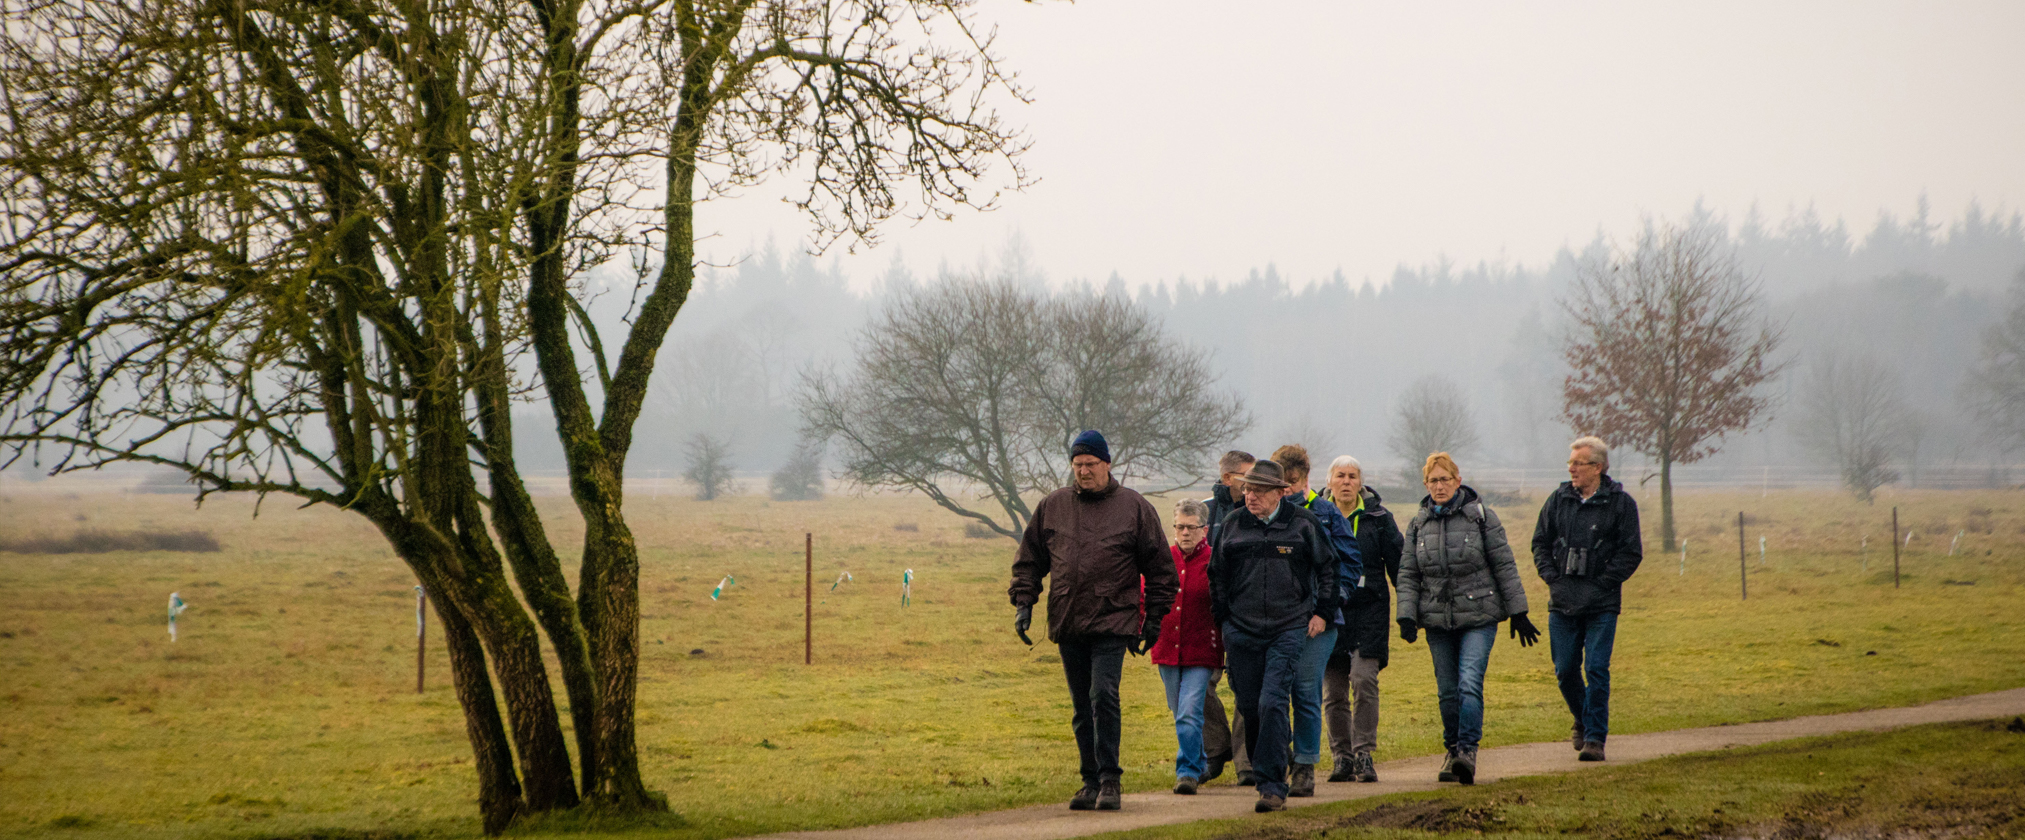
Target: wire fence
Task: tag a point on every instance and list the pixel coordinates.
(1521, 481)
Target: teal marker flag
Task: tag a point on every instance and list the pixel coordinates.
(906, 587)
(719, 591)
(176, 608)
(840, 581)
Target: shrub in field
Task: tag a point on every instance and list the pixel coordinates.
(709, 466)
(801, 478)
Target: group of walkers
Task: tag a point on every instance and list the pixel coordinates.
(1289, 592)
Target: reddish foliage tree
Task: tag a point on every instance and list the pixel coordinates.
(1668, 347)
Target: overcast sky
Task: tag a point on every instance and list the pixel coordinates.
(1207, 138)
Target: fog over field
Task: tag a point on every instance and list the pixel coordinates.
(1913, 292)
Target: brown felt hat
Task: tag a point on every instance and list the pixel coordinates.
(1265, 474)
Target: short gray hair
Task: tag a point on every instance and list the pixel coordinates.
(1235, 460)
(1192, 507)
(1345, 461)
(1597, 449)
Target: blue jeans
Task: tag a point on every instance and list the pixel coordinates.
(1185, 689)
(1460, 657)
(1308, 696)
(1581, 646)
(1262, 672)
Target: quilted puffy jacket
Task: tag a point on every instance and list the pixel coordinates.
(1457, 571)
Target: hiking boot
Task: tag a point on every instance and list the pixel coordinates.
(1303, 782)
(1466, 765)
(1365, 770)
(1269, 802)
(1575, 737)
(1344, 769)
(1592, 751)
(1185, 785)
(1107, 795)
(1447, 773)
(1085, 799)
(1247, 778)
(1214, 770)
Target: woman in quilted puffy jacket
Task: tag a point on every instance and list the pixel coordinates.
(1457, 581)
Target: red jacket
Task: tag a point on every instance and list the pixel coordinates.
(1188, 635)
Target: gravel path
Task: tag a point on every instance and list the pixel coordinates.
(1223, 801)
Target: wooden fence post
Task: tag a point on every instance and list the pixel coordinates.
(809, 598)
(1743, 568)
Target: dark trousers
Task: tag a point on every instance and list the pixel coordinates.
(1262, 671)
(1581, 646)
(1093, 664)
(1217, 743)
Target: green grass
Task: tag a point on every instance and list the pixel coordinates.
(1940, 781)
(288, 708)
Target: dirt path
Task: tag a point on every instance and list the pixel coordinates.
(1223, 801)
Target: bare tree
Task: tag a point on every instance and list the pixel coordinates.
(709, 460)
(1995, 388)
(1854, 414)
(801, 478)
(970, 386)
(1322, 442)
(1667, 348)
(321, 249)
(1432, 416)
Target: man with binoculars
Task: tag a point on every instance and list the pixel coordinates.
(1585, 546)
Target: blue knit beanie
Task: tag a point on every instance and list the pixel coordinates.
(1091, 443)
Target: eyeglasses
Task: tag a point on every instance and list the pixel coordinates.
(1180, 527)
(1582, 463)
(1447, 479)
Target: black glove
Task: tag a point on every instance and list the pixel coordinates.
(1023, 618)
(1524, 631)
(1149, 633)
(1408, 630)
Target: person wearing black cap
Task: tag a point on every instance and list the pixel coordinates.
(1098, 540)
(1272, 579)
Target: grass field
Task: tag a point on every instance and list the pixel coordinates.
(1961, 780)
(288, 707)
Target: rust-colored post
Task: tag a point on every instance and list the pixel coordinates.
(421, 634)
(809, 599)
(1743, 569)
(1894, 548)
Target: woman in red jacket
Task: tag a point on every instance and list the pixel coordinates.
(1190, 649)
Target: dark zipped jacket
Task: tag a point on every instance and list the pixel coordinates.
(1189, 636)
(1457, 571)
(1349, 560)
(1097, 546)
(1586, 549)
(1270, 578)
(1367, 619)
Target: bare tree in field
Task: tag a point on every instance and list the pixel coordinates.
(800, 479)
(321, 249)
(970, 386)
(1432, 415)
(1854, 414)
(1667, 347)
(709, 465)
(1995, 388)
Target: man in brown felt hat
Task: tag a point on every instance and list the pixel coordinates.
(1272, 578)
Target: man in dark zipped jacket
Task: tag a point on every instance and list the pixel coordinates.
(1585, 546)
(1272, 578)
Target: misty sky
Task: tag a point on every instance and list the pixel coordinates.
(1209, 138)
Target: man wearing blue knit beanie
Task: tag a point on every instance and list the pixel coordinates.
(1097, 539)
